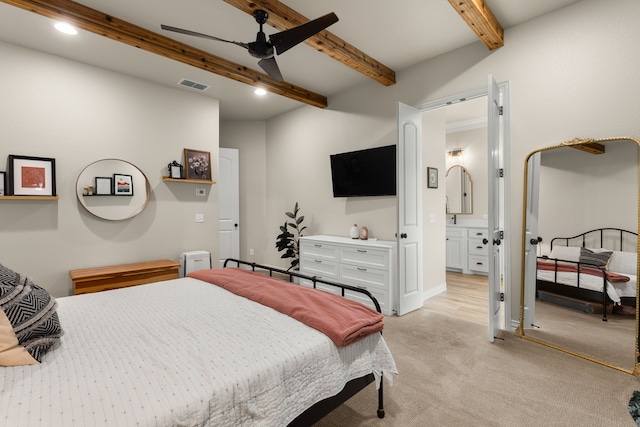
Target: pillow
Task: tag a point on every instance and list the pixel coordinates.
(29, 324)
(599, 259)
(566, 253)
(623, 262)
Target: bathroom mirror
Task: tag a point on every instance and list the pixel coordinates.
(113, 189)
(580, 247)
(459, 190)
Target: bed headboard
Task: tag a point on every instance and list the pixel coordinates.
(615, 239)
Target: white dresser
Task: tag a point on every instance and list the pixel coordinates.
(467, 251)
(368, 264)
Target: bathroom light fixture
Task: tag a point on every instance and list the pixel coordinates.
(455, 153)
(260, 91)
(66, 28)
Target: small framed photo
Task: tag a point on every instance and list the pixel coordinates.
(198, 164)
(3, 183)
(103, 186)
(122, 185)
(432, 178)
(31, 176)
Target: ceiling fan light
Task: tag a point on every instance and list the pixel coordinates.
(260, 91)
(66, 28)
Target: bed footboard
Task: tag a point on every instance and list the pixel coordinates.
(322, 408)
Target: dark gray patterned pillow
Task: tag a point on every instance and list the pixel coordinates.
(601, 259)
(31, 310)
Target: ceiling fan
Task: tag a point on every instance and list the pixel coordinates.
(281, 42)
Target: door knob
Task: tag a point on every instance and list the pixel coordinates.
(485, 241)
(497, 242)
(403, 235)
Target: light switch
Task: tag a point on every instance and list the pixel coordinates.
(432, 217)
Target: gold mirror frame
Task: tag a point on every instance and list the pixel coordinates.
(112, 207)
(589, 145)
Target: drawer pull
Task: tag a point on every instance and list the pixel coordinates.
(362, 269)
(363, 251)
(478, 263)
(318, 261)
(479, 234)
(479, 247)
(317, 245)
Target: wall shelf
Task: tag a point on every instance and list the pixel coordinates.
(56, 197)
(193, 181)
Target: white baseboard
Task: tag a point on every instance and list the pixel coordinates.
(430, 293)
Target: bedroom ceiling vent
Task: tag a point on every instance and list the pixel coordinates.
(193, 85)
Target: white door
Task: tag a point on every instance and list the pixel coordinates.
(531, 239)
(496, 181)
(229, 204)
(409, 176)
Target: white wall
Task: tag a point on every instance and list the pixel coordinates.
(78, 114)
(572, 73)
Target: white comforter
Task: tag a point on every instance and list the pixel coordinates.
(594, 283)
(181, 353)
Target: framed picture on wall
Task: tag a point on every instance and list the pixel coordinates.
(432, 178)
(3, 183)
(103, 186)
(198, 164)
(122, 185)
(31, 176)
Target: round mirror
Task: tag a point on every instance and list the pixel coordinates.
(113, 189)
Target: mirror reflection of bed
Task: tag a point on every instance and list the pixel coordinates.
(591, 196)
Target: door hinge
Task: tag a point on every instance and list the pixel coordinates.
(500, 110)
(501, 296)
(501, 173)
(501, 234)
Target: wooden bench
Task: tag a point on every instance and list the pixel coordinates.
(96, 279)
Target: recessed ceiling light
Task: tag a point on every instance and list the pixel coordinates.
(260, 92)
(63, 27)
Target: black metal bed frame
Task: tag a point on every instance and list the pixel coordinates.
(577, 291)
(322, 408)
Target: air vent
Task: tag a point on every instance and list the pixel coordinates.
(193, 85)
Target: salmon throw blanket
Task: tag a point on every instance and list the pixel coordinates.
(573, 268)
(342, 320)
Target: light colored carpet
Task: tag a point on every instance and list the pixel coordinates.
(450, 375)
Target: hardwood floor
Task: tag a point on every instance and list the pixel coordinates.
(466, 297)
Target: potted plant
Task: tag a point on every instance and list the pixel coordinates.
(287, 241)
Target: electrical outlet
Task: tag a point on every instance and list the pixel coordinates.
(251, 252)
(199, 217)
(200, 192)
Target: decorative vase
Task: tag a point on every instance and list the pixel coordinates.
(354, 232)
(364, 233)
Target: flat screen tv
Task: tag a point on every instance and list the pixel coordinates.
(370, 172)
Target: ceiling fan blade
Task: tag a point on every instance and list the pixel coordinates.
(287, 39)
(271, 67)
(204, 36)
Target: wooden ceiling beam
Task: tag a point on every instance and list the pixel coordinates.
(116, 29)
(479, 17)
(282, 17)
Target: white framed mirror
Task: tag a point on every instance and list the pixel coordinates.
(459, 190)
(113, 189)
(580, 247)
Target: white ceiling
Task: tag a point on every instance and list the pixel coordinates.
(398, 33)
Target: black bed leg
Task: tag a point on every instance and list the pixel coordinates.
(380, 400)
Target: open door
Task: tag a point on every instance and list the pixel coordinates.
(531, 241)
(409, 175)
(496, 181)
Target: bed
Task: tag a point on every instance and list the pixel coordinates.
(597, 266)
(186, 352)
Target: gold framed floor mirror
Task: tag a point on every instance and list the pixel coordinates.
(579, 287)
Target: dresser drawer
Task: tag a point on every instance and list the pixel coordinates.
(477, 233)
(477, 247)
(364, 277)
(365, 257)
(365, 300)
(479, 263)
(455, 232)
(318, 250)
